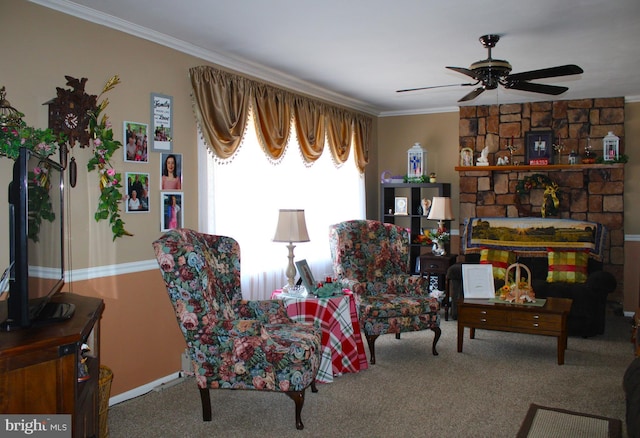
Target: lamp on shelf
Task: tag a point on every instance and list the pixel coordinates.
(291, 228)
(441, 210)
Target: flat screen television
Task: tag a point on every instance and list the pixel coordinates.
(36, 201)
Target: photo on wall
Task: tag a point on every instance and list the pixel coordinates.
(137, 198)
(162, 122)
(136, 142)
(171, 171)
(171, 213)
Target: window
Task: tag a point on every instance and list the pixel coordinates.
(241, 198)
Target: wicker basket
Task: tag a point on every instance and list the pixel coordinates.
(104, 388)
(521, 289)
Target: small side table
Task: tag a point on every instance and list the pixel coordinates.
(438, 265)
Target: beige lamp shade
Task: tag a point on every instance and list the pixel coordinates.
(291, 227)
(441, 209)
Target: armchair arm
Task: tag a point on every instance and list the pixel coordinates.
(239, 328)
(265, 311)
(602, 282)
(401, 284)
(348, 283)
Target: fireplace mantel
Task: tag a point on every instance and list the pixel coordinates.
(547, 168)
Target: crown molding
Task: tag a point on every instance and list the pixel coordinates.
(414, 112)
(224, 60)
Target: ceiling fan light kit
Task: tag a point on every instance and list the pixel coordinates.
(490, 72)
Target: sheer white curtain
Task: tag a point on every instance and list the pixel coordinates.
(241, 199)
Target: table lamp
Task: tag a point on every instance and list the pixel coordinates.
(441, 210)
(291, 228)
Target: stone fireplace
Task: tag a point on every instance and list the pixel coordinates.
(592, 192)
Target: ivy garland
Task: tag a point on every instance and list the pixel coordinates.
(550, 203)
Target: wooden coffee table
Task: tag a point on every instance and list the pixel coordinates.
(549, 320)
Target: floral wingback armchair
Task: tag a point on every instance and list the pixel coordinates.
(372, 259)
(233, 343)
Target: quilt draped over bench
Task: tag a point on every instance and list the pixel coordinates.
(533, 236)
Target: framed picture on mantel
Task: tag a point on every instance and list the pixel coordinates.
(539, 148)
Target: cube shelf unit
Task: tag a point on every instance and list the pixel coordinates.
(414, 192)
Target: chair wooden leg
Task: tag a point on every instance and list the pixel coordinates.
(371, 340)
(314, 388)
(298, 397)
(398, 335)
(437, 332)
(206, 404)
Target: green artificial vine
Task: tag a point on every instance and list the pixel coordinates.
(104, 146)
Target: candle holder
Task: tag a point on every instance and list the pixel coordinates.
(589, 156)
(559, 148)
(512, 148)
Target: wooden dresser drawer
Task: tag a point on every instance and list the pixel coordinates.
(535, 320)
(434, 265)
(481, 316)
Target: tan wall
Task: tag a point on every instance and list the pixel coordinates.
(632, 169)
(632, 208)
(632, 276)
(141, 341)
(438, 135)
(60, 45)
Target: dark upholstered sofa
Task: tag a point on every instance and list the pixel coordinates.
(533, 242)
(587, 315)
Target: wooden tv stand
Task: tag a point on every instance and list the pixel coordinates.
(39, 367)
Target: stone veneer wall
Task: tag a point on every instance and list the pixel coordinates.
(587, 192)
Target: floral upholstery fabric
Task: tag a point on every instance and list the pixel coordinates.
(233, 343)
(372, 259)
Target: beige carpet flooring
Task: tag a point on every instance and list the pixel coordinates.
(484, 391)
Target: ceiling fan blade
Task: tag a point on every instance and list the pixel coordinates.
(475, 93)
(551, 72)
(537, 88)
(436, 86)
(464, 71)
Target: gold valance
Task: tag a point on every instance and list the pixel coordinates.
(221, 105)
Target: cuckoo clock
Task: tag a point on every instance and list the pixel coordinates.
(70, 112)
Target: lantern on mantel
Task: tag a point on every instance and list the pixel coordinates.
(416, 161)
(610, 147)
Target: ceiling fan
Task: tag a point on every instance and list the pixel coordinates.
(490, 73)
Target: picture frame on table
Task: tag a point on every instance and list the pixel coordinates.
(306, 276)
(466, 157)
(539, 148)
(477, 281)
(400, 205)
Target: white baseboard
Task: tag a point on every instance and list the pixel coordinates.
(141, 390)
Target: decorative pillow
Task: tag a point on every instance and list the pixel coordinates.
(567, 266)
(500, 259)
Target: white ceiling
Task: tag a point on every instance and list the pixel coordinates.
(359, 52)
